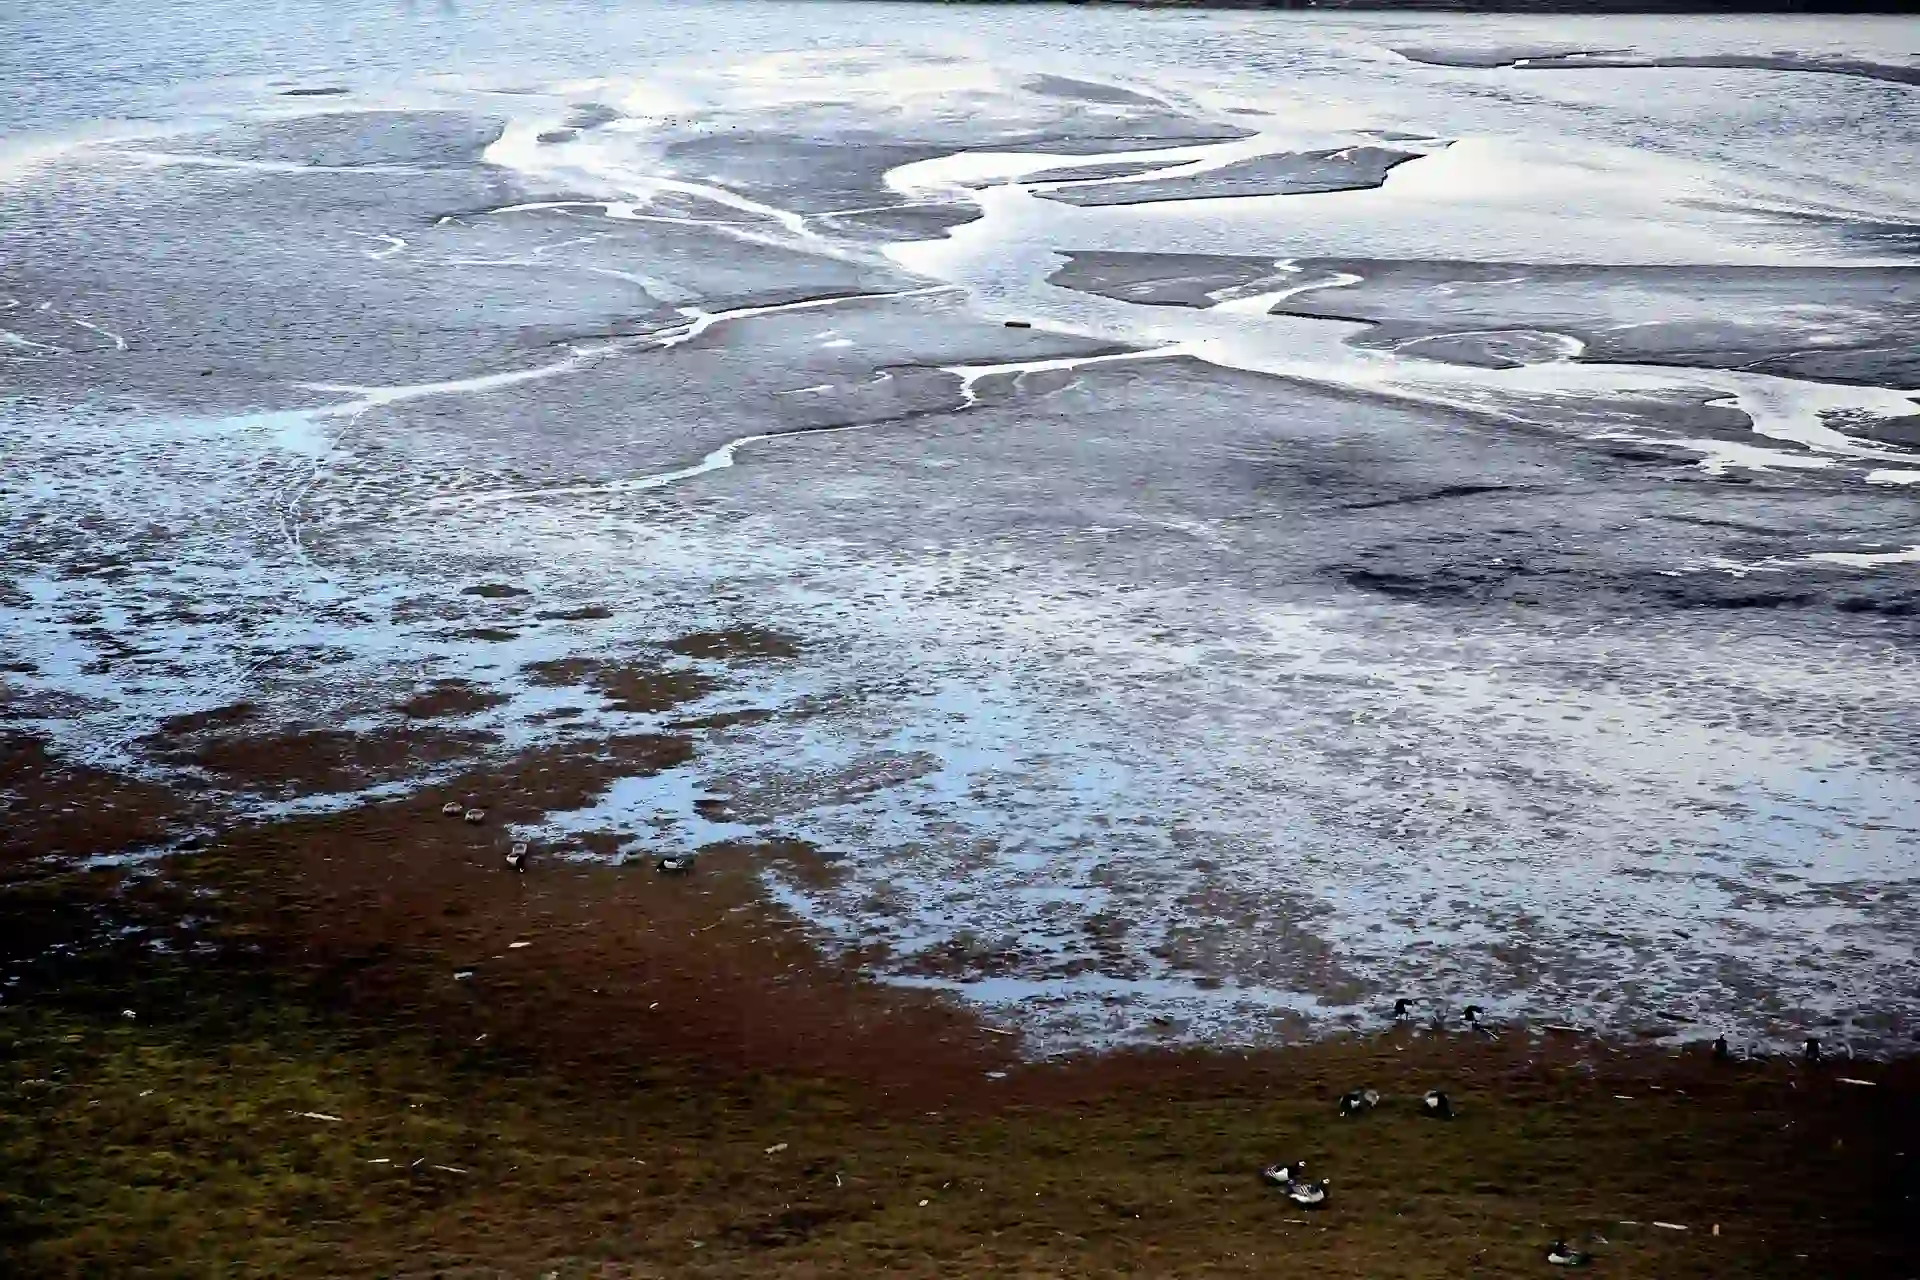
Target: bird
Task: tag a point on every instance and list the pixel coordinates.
(452, 808)
(1354, 1101)
(475, 815)
(1812, 1051)
(675, 864)
(517, 857)
(1284, 1174)
(1308, 1195)
(1437, 1105)
(1720, 1051)
(1562, 1254)
(1402, 1009)
(1472, 1014)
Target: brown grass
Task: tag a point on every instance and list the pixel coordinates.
(54, 807)
(449, 698)
(738, 643)
(316, 760)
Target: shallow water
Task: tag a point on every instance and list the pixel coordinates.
(1450, 538)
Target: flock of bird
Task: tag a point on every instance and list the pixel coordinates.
(520, 851)
(1311, 1193)
(1288, 1175)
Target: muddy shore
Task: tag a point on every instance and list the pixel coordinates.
(356, 1043)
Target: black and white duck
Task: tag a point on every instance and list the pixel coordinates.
(675, 864)
(1284, 1174)
(1562, 1254)
(517, 857)
(1812, 1052)
(1355, 1101)
(1721, 1053)
(452, 808)
(1402, 1009)
(1472, 1015)
(475, 815)
(1308, 1195)
(1437, 1104)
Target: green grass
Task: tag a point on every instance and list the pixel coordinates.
(170, 1146)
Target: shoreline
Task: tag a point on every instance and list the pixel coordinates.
(332, 840)
(362, 1023)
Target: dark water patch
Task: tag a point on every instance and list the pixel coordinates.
(1296, 173)
(585, 613)
(1841, 324)
(590, 115)
(1100, 138)
(1891, 602)
(807, 175)
(1504, 55)
(1450, 582)
(1088, 91)
(1162, 279)
(1837, 324)
(1873, 234)
(1901, 432)
(1721, 522)
(1435, 495)
(1088, 173)
(1522, 58)
(1709, 591)
(1611, 541)
(1487, 349)
(917, 222)
(426, 139)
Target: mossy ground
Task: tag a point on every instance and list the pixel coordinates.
(190, 1143)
